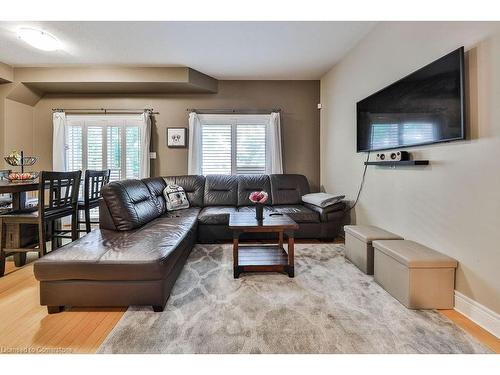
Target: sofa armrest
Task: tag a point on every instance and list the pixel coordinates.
(105, 219)
(331, 213)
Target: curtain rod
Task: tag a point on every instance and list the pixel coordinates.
(235, 111)
(106, 110)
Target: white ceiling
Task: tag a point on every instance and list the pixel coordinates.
(224, 50)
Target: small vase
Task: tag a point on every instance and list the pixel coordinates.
(259, 211)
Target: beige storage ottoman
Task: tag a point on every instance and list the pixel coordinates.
(358, 244)
(418, 277)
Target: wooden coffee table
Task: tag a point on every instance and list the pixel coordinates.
(262, 257)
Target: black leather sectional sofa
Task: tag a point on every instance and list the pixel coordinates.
(140, 249)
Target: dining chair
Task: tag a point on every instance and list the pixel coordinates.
(57, 198)
(94, 180)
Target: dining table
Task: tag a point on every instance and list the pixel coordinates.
(18, 191)
(19, 235)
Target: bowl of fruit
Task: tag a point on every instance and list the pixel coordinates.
(22, 176)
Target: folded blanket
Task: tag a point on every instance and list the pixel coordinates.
(322, 199)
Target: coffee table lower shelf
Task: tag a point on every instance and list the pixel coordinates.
(263, 258)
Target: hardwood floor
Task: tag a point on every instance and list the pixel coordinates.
(26, 327)
(473, 329)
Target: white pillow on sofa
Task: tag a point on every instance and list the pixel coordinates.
(322, 199)
(175, 197)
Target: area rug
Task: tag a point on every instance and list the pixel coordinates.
(329, 307)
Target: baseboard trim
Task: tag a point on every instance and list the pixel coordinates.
(479, 314)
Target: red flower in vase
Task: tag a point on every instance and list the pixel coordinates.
(258, 197)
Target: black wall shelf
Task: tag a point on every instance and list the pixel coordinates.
(398, 163)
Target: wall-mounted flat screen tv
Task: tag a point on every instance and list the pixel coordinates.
(424, 107)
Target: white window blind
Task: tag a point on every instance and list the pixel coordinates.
(94, 155)
(251, 149)
(234, 146)
(217, 149)
(75, 144)
(104, 142)
(114, 152)
(132, 153)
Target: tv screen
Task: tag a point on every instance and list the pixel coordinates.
(425, 107)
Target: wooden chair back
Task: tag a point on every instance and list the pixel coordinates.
(94, 181)
(58, 193)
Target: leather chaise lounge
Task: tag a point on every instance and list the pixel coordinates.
(138, 252)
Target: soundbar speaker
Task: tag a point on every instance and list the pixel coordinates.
(393, 156)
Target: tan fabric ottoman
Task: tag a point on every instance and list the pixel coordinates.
(418, 277)
(358, 244)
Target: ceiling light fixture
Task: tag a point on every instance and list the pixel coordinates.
(39, 39)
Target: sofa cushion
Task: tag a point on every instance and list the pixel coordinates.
(156, 185)
(298, 213)
(130, 203)
(288, 188)
(147, 253)
(193, 185)
(250, 183)
(221, 190)
(215, 215)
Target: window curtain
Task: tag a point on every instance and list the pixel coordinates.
(274, 157)
(59, 146)
(145, 136)
(195, 146)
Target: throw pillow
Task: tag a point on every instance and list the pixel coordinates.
(175, 197)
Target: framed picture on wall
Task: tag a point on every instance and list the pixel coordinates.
(176, 137)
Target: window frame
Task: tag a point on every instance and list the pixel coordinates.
(104, 122)
(234, 121)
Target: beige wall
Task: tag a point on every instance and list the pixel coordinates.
(18, 131)
(3, 95)
(297, 99)
(6, 73)
(453, 205)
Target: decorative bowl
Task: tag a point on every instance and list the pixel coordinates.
(19, 177)
(24, 161)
